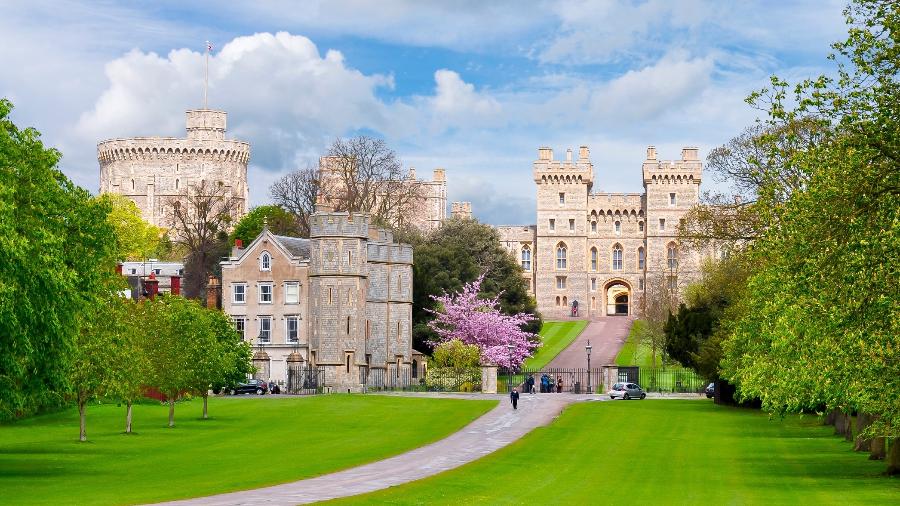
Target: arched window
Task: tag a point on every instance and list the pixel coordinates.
(617, 258)
(618, 227)
(672, 256)
(565, 301)
(641, 259)
(265, 262)
(593, 259)
(526, 258)
(641, 226)
(561, 256)
(415, 368)
(593, 226)
(557, 300)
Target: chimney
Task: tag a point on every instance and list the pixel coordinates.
(212, 292)
(151, 286)
(569, 155)
(175, 287)
(545, 153)
(239, 243)
(119, 268)
(584, 153)
(689, 154)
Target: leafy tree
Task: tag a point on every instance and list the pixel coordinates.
(278, 220)
(170, 330)
(218, 354)
(135, 238)
(131, 359)
(473, 320)
(456, 354)
(56, 251)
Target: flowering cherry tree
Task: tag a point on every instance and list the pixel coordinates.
(478, 321)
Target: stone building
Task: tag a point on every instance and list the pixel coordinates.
(341, 299)
(603, 250)
(462, 210)
(155, 171)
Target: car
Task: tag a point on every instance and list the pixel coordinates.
(710, 390)
(626, 390)
(252, 386)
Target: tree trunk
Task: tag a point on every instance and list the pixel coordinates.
(893, 457)
(842, 426)
(863, 444)
(205, 399)
(82, 405)
(830, 417)
(171, 411)
(877, 452)
(128, 417)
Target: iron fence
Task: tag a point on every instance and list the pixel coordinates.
(658, 379)
(305, 380)
(554, 380)
(436, 379)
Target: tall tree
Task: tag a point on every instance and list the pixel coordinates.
(297, 192)
(171, 326)
(56, 250)
(135, 238)
(276, 218)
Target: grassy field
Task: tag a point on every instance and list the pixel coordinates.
(634, 352)
(555, 336)
(249, 442)
(662, 452)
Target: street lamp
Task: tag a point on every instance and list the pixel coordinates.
(509, 349)
(588, 350)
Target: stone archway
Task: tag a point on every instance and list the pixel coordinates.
(617, 293)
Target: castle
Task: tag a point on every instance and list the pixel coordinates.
(154, 172)
(340, 300)
(602, 251)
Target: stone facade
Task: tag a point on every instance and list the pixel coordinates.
(352, 312)
(602, 250)
(155, 171)
(462, 210)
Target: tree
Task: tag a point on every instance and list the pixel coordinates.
(276, 218)
(297, 192)
(135, 238)
(131, 356)
(478, 321)
(218, 354)
(659, 301)
(56, 251)
(200, 220)
(171, 327)
(456, 355)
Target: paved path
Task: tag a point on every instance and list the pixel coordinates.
(494, 430)
(607, 335)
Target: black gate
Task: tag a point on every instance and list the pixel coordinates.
(305, 379)
(555, 380)
(630, 374)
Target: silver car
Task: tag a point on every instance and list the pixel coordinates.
(627, 391)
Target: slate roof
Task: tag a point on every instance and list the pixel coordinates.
(297, 246)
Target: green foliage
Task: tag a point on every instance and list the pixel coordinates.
(456, 354)
(279, 221)
(56, 252)
(135, 238)
(455, 254)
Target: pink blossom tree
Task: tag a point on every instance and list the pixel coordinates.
(478, 321)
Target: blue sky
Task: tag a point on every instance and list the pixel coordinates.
(473, 87)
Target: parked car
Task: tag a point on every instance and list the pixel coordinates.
(627, 391)
(710, 390)
(253, 386)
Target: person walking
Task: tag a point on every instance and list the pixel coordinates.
(559, 384)
(514, 398)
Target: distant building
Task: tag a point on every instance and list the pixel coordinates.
(166, 275)
(461, 210)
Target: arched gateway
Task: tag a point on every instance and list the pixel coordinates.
(618, 298)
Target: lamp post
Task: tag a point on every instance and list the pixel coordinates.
(588, 350)
(509, 349)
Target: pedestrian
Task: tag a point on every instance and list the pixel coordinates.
(559, 384)
(530, 383)
(514, 398)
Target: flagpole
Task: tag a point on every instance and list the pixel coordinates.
(206, 78)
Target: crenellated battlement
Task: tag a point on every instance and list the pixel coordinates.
(151, 149)
(339, 224)
(688, 170)
(546, 170)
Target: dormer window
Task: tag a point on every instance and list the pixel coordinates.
(265, 261)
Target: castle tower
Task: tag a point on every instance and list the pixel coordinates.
(672, 187)
(156, 171)
(337, 296)
(563, 187)
(462, 210)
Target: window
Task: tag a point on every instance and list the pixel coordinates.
(157, 271)
(239, 293)
(292, 293)
(265, 329)
(348, 325)
(132, 184)
(265, 262)
(561, 256)
(593, 284)
(640, 226)
(552, 224)
(593, 226)
(572, 225)
(349, 257)
(562, 198)
(557, 300)
(618, 227)
(526, 258)
(593, 259)
(292, 326)
(240, 324)
(617, 258)
(662, 223)
(265, 293)
(560, 282)
(641, 258)
(176, 183)
(348, 364)
(134, 271)
(672, 257)
(330, 299)
(671, 199)
(641, 284)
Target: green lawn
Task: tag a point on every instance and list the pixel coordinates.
(555, 336)
(662, 452)
(249, 442)
(634, 352)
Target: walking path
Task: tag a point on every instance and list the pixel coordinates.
(607, 335)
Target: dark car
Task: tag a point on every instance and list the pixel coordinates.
(253, 386)
(710, 390)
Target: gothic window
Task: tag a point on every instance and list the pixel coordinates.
(641, 259)
(618, 227)
(557, 300)
(594, 226)
(672, 256)
(526, 258)
(593, 259)
(265, 261)
(617, 258)
(561, 256)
